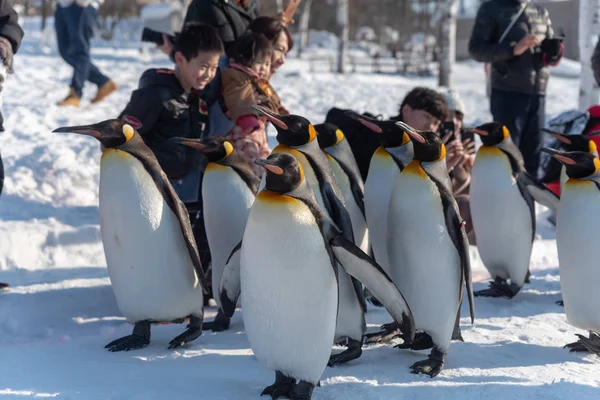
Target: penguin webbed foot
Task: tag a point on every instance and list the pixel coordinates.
(591, 344)
(303, 391)
(561, 303)
(283, 387)
(4, 286)
(528, 277)
(432, 366)
(192, 332)
(422, 342)
(387, 333)
(220, 323)
(353, 352)
(139, 339)
(499, 288)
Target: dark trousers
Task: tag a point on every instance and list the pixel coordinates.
(524, 115)
(74, 30)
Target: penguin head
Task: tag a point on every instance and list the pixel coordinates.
(214, 148)
(111, 133)
(328, 135)
(492, 133)
(292, 130)
(390, 133)
(427, 145)
(284, 172)
(578, 164)
(575, 142)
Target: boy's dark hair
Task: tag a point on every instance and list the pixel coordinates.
(250, 47)
(421, 98)
(197, 37)
(271, 28)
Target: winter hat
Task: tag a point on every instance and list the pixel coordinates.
(454, 102)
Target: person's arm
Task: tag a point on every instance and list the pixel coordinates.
(238, 95)
(143, 110)
(11, 33)
(483, 44)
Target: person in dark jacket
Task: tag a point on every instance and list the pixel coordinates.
(11, 35)
(169, 103)
(519, 73)
(74, 22)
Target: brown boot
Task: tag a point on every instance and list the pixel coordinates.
(71, 100)
(104, 91)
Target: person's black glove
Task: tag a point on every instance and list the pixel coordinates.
(552, 51)
(6, 53)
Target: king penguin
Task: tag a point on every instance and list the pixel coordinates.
(503, 210)
(577, 231)
(290, 258)
(151, 254)
(343, 165)
(296, 136)
(228, 190)
(574, 143)
(428, 249)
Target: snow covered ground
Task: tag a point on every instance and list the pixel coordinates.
(60, 311)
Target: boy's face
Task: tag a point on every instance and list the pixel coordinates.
(198, 71)
(421, 120)
(262, 67)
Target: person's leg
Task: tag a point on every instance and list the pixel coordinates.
(79, 50)
(532, 141)
(511, 110)
(62, 33)
(89, 21)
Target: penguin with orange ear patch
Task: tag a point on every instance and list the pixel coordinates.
(503, 210)
(151, 254)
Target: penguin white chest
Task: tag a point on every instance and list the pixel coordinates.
(148, 262)
(289, 288)
(383, 172)
(226, 203)
(501, 217)
(424, 262)
(577, 232)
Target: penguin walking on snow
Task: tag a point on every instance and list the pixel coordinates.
(296, 136)
(290, 264)
(503, 210)
(428, 249)
(574, 143)
(343, 165)
(151, 255)
(228, 190)
(577, 231)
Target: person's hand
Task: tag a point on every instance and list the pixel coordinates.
(167, 46)
(454, 154)
(248, 124)
(6, 53)
(525, 44)
(285, 21)
(469, 146)
(468, 162)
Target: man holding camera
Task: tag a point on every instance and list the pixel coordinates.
(517, 39)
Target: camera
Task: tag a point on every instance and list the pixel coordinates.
(152, 36)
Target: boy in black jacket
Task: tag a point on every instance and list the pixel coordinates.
(11, 35)
(169, 103)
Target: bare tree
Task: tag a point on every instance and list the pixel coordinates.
(342, 23)
(447, 42)
(304, 24)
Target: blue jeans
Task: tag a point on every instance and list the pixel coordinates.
(74, 30)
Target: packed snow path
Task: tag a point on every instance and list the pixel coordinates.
(60, 311)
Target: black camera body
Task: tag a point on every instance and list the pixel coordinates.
(152, 36)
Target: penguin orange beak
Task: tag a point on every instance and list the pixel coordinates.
(268, 166)
(271, 116)
(480, 132)
(411, 132)
(559, 136)
(559, 156)
(193, 143)
(81, 130)
(362, 120)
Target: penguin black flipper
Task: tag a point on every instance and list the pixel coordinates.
(458, 234)
(358, 265)
(148, 159)
(358, 192)
(240, 166)
(230, 285)
(539, 192)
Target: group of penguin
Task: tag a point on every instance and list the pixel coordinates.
(295, 249)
